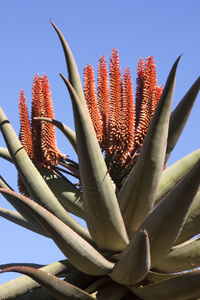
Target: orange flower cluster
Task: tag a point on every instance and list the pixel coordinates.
(120, 124)
(38, 137)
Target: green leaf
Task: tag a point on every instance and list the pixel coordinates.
(32, 179)
(173, 174)
(135, 261)
(165, 222)
(181, 258)
(191, 226)
(73, 73)
(4, 153)
(181, 286)
(68, 132)
(64, 191)
(137, 195)
(16, 218)
(55, 286)
(30, 221)
(24, 284)
(180, 116)
(102, 211)
(79, 252)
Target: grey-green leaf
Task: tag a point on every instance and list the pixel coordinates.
(73, 73)
(135, 262)
(55, 286)
(24, 284)
(79, 252)
(32, 179)
(174, 173)
(181, 258)
(64, 191)
(191, 226)
(16, 218)
(4, 153)
(179, 117)
(167, 219)
(137, 195)
(101, 207)
(180, 287)
(24, 218)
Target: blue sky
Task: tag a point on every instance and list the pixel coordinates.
(29, 46)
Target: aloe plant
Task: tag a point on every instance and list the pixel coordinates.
(141, 216)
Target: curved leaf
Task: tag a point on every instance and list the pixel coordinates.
(191, 226)
(55, 286)
(30, 222)
(165, 222)
(173, 174)
(102, 211)
(4, 153)
(136, 197)
(135, 261)
(79, 252)
(32, 179)
(16, 218)
(73, 73)
(179, 117)
(24, 284)
(64, 191)
(182, 286)
(68, 132)
(181, 258)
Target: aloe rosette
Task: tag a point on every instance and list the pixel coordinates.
(139, 242)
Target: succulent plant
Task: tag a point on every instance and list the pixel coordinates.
(141, 217)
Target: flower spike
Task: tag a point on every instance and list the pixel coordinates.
(25, 137)
(90, 97)
(46, 152)
(103, 98)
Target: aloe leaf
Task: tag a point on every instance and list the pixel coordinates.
(180, 116)
(191, 226)
(24, 284)
(30, 221)
(32, 265)
(165, 222)
(137, 195)
(173, 174)
(68, 132)
(64, 191)
(135, 261)
(79, 252)
(4, 153)
(55, 286)
(73, 73)
(16, 218)
(181, 286)
(181, 258)
(102, 211)
(154, 277)
(32, 179)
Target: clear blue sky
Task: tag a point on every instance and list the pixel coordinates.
(29, 45)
